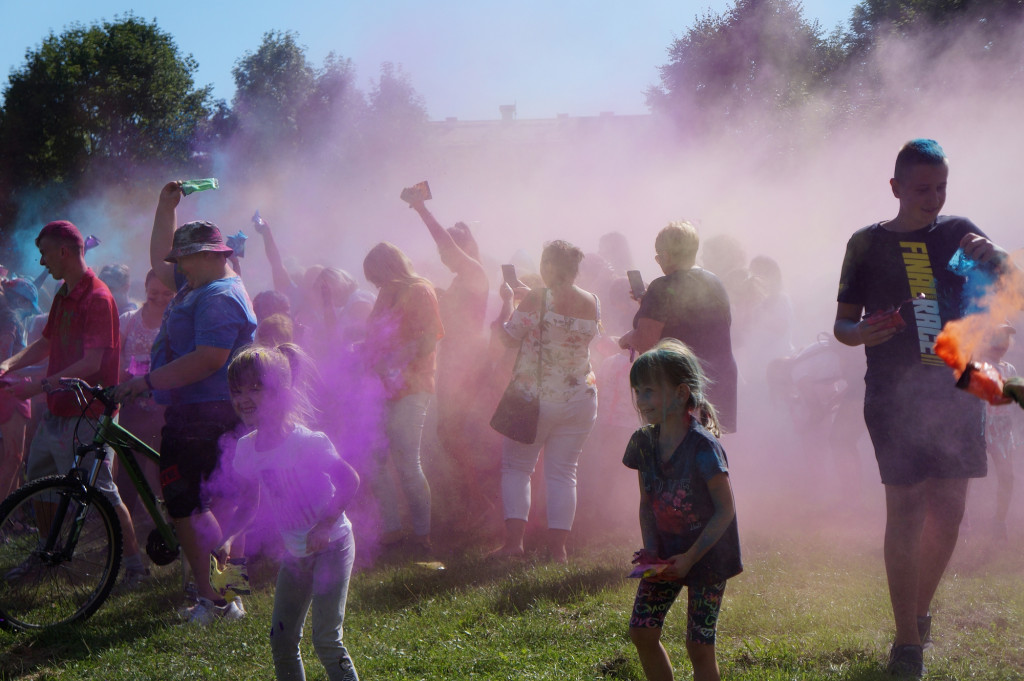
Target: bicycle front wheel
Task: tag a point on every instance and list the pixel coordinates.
(60, 550)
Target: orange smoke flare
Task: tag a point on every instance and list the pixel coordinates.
(947, 346)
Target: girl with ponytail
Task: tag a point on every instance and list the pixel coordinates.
(306, 486)
(687, 513)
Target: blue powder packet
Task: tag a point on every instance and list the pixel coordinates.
(961, 263)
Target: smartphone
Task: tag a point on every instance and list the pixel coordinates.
(418, 192)
(636, 283)
(508, 273)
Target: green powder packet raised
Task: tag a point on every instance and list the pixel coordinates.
(189, 186)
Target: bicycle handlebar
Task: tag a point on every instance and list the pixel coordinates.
(77, 385)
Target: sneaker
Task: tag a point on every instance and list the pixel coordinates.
(924, 630)
(205, 612)
(906, 661)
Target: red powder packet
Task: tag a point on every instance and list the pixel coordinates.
(887, 319)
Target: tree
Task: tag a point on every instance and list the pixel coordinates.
(760, 54)
(397, 113)
(873, 20)
(103, 99)
(332, 113)
(272, 85)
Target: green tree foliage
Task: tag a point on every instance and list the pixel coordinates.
(760, 52)
(397, 113)
(100, 100)
(285, 105)
(872, 20)
(272, 85)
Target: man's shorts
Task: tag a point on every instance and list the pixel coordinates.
(53, 453)
(927, 438)
(191, 445)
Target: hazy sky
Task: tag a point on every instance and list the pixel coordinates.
(466, 58)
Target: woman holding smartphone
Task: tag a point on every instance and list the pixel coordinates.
(553, 327)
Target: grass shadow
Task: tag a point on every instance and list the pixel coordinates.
(121, 619)
(556, 586)
(392, 588)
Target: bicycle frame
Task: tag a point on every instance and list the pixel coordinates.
(123, 443)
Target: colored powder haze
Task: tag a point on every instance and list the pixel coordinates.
(792, 193)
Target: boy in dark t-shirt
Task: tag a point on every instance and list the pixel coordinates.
(928, 436)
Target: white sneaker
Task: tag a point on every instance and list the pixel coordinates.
(204, 612)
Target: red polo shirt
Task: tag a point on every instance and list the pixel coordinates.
(85, 317)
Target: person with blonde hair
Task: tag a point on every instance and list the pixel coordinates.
(463, 306)
(401, 344)
(689, 304)
(294, 471)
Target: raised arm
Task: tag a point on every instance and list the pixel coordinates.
(530, 303)
(162, 238)
(282, 280)
(453, 257)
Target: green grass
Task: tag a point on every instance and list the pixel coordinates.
(810, 607)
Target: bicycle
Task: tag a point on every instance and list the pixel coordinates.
(60, 539)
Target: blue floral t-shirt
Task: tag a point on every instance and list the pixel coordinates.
(682, 503)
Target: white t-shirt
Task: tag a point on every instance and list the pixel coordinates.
(295, 483)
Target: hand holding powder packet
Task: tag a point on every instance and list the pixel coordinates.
(189, 186)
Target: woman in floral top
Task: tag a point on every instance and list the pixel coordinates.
(567, 391)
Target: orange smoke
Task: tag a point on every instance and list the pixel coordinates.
(947, 346)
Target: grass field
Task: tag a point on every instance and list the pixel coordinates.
(812, 606)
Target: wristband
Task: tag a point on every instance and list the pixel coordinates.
(149, 383)
(45, 385)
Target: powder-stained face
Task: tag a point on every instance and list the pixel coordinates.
(158, 295)
(250, 402)
(922, 193)
(657, 401)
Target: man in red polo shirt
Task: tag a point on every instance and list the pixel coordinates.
(81, 340)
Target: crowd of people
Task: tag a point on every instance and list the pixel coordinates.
(279, 416)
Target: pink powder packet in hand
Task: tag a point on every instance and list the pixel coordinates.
(646, 570)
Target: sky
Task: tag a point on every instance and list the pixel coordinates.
(575, 57)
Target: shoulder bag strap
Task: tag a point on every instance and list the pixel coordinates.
(540, 337)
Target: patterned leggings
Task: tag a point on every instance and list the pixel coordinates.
(653, 599)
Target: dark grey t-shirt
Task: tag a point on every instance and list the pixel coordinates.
(883, 270)
(694, 307)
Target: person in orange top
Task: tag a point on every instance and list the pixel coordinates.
(401, 340)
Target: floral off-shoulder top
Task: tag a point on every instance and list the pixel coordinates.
(566, 373)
